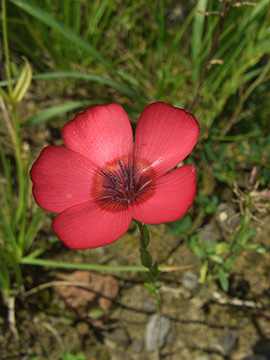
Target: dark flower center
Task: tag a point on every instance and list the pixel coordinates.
(121, 183)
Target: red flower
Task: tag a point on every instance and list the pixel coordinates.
(99, 182)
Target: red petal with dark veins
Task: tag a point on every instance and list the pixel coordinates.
(165, 135)
(174, 194)
(88, 226)
(62, 178)
(102, 133)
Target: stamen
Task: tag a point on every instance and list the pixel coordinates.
(123, 171)
(113, 187)
(110, 177)
(132, 177)
(123, 185)
(125, 175)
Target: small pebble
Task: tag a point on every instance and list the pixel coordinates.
(102, 250)
(228, 342)
(228, 218)
(151, 336)
(138, 346)
(118, 337)
(209, 233)
(190, 281)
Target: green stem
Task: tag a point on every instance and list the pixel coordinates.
(5, 35)
(14, 130)
(20, 167)
(15, 135)
(146, 259)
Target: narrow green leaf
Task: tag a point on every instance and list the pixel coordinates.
(217, 259)
(146, 258)
(93, 77)
(89, 77)
(54, 111)
(4, 94)
(4, 276)
(223, 280)
(221, 248)
(36, 221)
(203, 272)
(230, 263)
(62, 29)
(64, 265)
(23, 82)
(197, 35)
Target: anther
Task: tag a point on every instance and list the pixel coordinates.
(123, 171)
(113, 187)
(132, 178)
(125, 175)
(110, 177)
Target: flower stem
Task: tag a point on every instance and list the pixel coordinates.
(146, 259)
(5, 36)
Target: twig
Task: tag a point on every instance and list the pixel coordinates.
(236, 302)
(73, 283)
(56, 283)
(243, 3)
(55, 334)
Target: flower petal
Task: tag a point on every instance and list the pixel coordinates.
(62, 178)
(174, 194)
(102, 133)
(87, 226)
(165, 135)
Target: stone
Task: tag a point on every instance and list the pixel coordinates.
(152, 330)
(92, 290)
(228, 342)
(190, 281)
(210, 233)
(138, 346)
(228, 218)
(118, 338)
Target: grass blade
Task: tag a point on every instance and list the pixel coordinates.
(89, 77)
(54, 111)
(62, 29)
(93, 77)
(197, 36)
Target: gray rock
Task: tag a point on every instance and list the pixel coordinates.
(228, 342)
(210, 233)
(152, 331)
(190, 281)
(102, 250)
(118, 338)
(228, 218)
(138, 346)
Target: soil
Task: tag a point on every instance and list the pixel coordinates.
(205, 322)
(202, 317)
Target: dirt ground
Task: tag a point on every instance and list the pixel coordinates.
(205, 323)
(107, 319)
